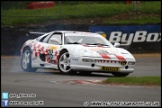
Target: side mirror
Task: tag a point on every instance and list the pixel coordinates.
(116, 44)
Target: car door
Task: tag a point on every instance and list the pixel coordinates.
(54, 45)
(46, 50)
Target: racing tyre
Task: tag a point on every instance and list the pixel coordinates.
(26, 61)
(64, 63)
(120, 74)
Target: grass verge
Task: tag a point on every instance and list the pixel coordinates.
(144, 80)
(81, 11)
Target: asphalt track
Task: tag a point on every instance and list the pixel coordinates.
(53, 89)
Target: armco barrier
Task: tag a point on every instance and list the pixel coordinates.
(11, 41)
(135, 38)
(12, 38)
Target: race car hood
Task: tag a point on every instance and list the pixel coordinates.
(104, 52)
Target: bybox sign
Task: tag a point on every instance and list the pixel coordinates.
(127, 35)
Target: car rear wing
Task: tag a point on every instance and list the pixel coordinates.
(35, 33)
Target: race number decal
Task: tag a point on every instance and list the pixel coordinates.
(50, 54)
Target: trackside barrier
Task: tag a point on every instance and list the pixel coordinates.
(12, 38)
(136, 38)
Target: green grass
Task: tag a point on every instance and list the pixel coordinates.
(145, 80)
(16, 16)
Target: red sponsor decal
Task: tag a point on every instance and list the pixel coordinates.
(36, 54)
(121, 58)
(38, 45)
(46, 51)
(56, 54)
(105, 56)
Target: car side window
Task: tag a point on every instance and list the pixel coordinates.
(41, 40)
(47, 38)
(55, 39)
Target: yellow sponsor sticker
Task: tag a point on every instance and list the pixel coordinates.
(53, 47)
(111, 68)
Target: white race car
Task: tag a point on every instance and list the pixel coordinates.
(76, 51)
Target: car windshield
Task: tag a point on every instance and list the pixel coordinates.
(89, 40)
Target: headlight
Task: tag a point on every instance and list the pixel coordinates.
(123, 63)
(131, 63)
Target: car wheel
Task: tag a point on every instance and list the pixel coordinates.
(120, 74)
(26, 61)
(64, 63)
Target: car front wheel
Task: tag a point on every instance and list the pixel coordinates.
(64, 63)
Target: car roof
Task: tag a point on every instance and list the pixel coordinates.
(76, 32)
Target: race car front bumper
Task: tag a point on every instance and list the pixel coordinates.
(103, 65)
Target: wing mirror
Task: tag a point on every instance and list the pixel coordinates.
(116, 44)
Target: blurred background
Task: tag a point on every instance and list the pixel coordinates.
(19, 18)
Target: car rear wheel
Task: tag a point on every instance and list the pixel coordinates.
(120, 74)
(26, 61)
(64, 63)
